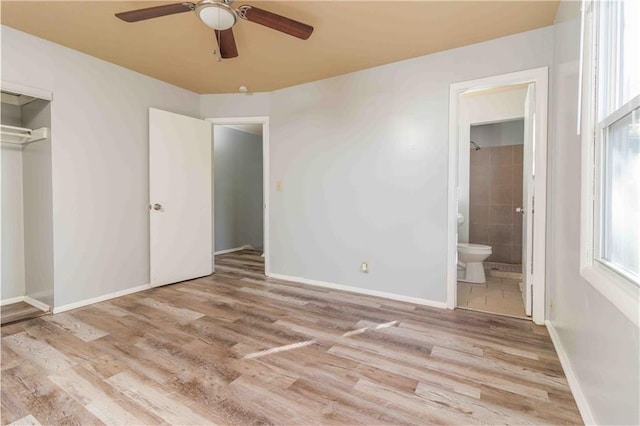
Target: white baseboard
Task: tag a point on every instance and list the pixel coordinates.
(416, 300)
(36, 304)
(26, 299)
(572, 379)
(12, 300)
(80, 304)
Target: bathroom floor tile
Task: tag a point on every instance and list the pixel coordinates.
(464, 292)
(497, 295)
(511, 285)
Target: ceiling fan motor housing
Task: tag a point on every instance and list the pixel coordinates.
(216, 14)
(221, 17)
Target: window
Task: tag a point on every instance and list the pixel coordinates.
(610, 258)
(618, 195)
(617, 139)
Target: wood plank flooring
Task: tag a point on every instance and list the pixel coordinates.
(20, 311)
(237, 348)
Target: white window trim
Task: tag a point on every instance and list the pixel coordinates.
(622, 293)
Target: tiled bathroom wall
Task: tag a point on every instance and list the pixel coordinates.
(495, 193)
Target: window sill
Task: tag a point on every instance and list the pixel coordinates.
(622, 293)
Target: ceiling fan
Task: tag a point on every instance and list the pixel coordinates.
(219, 15)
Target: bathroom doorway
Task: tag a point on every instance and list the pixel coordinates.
(497, 172)
(493, 216)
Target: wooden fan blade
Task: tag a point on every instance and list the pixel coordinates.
(227, 43)
(277, 22)
(155, 12)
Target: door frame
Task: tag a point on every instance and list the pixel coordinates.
(265, 176)
(539, 76)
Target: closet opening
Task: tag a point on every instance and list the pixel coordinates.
(27, 212)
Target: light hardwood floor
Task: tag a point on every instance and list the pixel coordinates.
(19, 312)
(236, 348)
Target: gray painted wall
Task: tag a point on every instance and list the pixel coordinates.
(38, 206)
(235, 105)
(601, 343)
(11, 115)
(237, 189)
(499, 134)
(12, 278)
(100, 154)
(362, 159)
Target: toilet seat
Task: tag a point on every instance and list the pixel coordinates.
(474, 248)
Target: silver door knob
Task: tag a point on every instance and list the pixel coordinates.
(520, 210)
(157, 206)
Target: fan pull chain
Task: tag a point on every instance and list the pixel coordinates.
(218, 38)
(217, 52)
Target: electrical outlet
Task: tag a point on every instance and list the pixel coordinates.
(364, 268)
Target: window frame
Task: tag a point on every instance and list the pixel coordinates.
(615, 286)
(599, 189)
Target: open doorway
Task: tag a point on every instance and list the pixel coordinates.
(240, 227)
(497, 174)
(494, 219)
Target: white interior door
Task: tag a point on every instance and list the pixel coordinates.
(180, 176)
(528, 199)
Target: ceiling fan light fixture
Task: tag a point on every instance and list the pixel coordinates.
(216, 14)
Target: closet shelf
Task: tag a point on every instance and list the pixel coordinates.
(22, 136)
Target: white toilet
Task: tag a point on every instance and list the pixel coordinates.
(470, 258)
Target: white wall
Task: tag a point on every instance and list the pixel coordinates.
(12, 278)
(479, 108)
(494, 107)
(38, 206)
(13, 275)
(498, 134)
(601, 344)
(99, 161)
(363, 159)
(232, 105)
(11, 115)
(238, 199)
